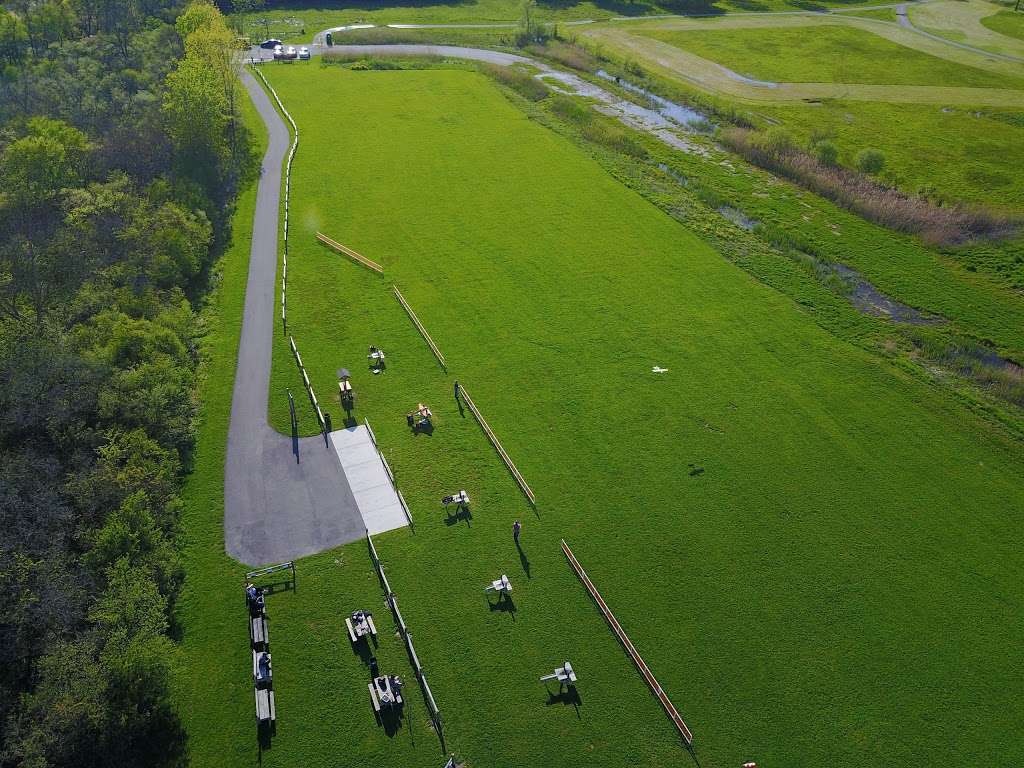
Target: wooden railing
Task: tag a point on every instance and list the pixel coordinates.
(356, 257)
(419, 327)
(520, 480)
(630, 648)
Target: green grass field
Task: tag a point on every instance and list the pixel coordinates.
(1010, 23)
(837, 584)
(958, 151)
(965, 153)
(289, 23)
(829, 54)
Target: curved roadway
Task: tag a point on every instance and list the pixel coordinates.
(283, 497)
(903, 16)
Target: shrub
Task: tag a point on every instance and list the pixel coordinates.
(613, 137)
(571, 110)
(870, 161)
(708, 196)
(777, 141)
(596, 128)
(826, 152)
(566, 54)
(519, 81)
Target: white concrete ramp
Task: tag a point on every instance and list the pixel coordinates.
(375, 495)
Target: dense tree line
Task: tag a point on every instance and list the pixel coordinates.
(120, 151)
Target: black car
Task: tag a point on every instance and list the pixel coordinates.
(270, 44)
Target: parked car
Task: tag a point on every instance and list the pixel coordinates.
(270, 44)
(291, 53)
(304, 53)
(278, 52)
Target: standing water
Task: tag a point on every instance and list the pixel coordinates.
(684, 116)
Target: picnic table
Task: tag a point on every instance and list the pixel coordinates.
(502, 585)
(385, 691)
(460, 499)
(360, 624)
(564, 675)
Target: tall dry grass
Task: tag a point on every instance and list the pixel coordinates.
(937, 225)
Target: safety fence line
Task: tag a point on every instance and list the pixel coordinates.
(391, 475)
(419, 327)
(356, 257)
(284, 257)
(428, 695)
(656, 688)
(287, 194)
(309, 387)
(520, 480)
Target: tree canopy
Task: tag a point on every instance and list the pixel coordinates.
(120, 154)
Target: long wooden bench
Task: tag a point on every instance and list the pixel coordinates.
(265, 710)
(258, 631)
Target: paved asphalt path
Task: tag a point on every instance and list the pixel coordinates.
(278, 505)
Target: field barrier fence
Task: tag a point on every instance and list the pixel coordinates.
(287, 194)
(391, 475)
(520, 480)
(420, 328)
(428, 695)
(284, 258)
(356, 257)
(309, 387)
(641, 665)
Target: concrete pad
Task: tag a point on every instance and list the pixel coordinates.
(375, 496)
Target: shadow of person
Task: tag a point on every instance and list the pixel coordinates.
(264, 734)
(566, 696)
(361, 648)
(523, 560)
(391, 719)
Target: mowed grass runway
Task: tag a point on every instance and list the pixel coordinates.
(819, 557)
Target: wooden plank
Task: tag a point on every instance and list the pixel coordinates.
(419, 327)
(641, 665)
(517, 476)
(355, 256)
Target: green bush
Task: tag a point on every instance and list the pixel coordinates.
(776, 141)
(596, 128)
(571, 110)
(521, 82)
(826, 152)
(870, 161)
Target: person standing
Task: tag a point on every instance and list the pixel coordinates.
(517, 528)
